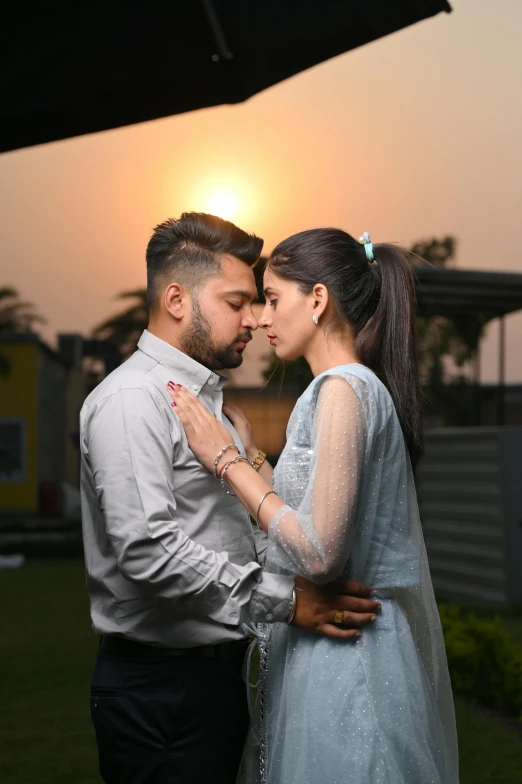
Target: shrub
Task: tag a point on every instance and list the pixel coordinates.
(484, 663)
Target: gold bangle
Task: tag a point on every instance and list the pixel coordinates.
(259, 460)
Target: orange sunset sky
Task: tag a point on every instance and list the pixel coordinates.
(417, 134)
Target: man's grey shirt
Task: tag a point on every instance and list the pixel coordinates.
(171, 559)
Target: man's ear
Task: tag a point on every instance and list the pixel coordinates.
(177, 300)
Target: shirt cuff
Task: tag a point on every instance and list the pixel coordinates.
(271, 600)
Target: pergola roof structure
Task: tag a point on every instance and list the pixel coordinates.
(467, 293)
(473, 295)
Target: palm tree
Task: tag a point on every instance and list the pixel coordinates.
(125, 328)
(16, 317)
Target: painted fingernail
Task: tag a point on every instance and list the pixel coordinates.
(173, 404)
(171, 385)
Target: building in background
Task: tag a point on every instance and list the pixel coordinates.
(41, 394)
(37, 399)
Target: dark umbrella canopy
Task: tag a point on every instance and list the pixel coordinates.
(70, 68)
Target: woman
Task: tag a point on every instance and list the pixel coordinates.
(377, 710)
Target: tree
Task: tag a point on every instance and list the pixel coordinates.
(445, 345)
(435, 251)
(16, 317)
(125, 327)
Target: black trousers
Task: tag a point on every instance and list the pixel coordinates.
(170, 720)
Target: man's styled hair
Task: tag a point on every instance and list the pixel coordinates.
(188, 251)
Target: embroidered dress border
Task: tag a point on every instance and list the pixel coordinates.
(264, 633)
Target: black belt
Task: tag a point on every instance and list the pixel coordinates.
(232, 652)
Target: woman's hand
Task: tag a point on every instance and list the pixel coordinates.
(243, 427)
(206, 436)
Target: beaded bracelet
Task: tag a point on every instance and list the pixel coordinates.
(220, 455)
(225, 468)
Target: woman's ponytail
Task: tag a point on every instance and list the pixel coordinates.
(387, 342)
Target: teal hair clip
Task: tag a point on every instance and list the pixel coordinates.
(364, 239)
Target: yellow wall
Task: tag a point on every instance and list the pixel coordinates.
(19, 398)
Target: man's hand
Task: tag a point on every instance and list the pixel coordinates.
(243, 427)
(317, 605)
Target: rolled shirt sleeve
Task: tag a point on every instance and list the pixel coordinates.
(261, 544)
(130, 448)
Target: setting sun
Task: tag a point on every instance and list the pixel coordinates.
(219, 193)
(223, 203)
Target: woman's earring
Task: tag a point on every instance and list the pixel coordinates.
(315, 318)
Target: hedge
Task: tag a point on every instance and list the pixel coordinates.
(485, 664)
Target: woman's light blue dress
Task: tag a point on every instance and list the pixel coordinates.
(378, 710)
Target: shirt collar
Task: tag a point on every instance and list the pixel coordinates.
(185, 369)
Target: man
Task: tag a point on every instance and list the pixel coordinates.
(173, 563)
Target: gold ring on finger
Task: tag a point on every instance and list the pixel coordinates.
(339, 616)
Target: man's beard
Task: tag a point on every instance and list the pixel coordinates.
(196, 341)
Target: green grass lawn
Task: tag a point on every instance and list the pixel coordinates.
(489, 751)
(47, 650)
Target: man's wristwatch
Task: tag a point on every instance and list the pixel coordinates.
(258, 460)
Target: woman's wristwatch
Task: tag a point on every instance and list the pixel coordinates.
(258, 461)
